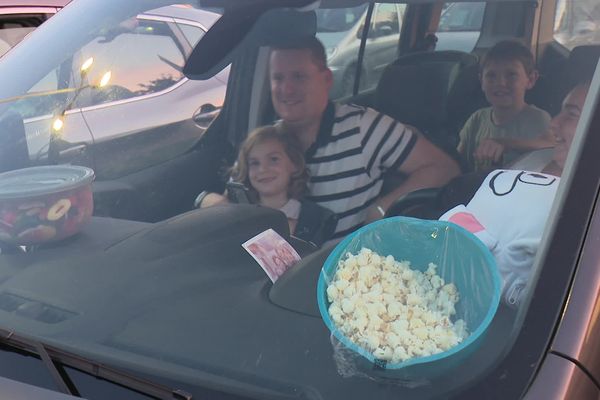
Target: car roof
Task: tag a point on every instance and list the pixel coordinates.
(206, 18)
(35, 3)
(323, 3)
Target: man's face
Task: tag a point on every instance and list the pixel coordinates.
(505, 83)
(563, 126)
(299, 87)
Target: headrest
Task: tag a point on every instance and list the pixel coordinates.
(583, 61)
(414, 88)
(446, 56)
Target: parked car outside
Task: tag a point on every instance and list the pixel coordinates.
(460, 26)
(341, 29)
(138, 82)
(161, 303)
(18, 19)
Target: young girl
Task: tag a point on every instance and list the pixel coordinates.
(271, 165)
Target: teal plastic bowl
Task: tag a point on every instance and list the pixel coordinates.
(461, 258)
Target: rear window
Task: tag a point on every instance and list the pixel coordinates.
(577, 23)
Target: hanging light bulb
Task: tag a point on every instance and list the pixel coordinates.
(87, 64)
(58, 124)
(105, 79)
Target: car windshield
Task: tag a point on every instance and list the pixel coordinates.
(466, 117)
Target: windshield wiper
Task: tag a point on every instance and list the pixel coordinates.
(55, 359)
(61, 378)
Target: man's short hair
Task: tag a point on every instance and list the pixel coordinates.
(310, 43)
(510, 50)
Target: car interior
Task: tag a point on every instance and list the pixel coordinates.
(154, 228)
(453, 93)
(434, 91)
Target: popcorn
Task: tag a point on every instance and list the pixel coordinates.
(345, 273)
(341, 284)
(400, 354)
(347, 306)
(391, 310)
(332, 293)
(349, 291)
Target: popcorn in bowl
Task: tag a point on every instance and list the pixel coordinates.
(395, 312)
(414, 321)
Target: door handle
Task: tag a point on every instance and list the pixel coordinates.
(73, 151)
(206, 115)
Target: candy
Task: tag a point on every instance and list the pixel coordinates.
(44, 218)
(59, 209)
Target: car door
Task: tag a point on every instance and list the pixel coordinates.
(145, 62)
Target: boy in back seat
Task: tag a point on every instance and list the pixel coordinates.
(490, 137)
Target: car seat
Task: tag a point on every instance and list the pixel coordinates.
(465, 97)
(561, 76)
(582, 63)
(414, 89)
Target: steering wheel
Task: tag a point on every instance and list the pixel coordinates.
(420, 204)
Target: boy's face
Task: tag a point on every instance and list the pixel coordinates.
(505, 83)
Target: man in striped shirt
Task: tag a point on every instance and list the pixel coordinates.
(348, 148)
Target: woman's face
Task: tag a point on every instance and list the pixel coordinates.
(564, 125)
(269, 168)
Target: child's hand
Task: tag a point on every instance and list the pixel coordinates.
(489, 151)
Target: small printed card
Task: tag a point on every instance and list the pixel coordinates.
(272, 252)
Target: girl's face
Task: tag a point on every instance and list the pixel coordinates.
(269, 168)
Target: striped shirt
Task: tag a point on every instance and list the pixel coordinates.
(354, 147)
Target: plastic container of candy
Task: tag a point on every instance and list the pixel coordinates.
(44, 204)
